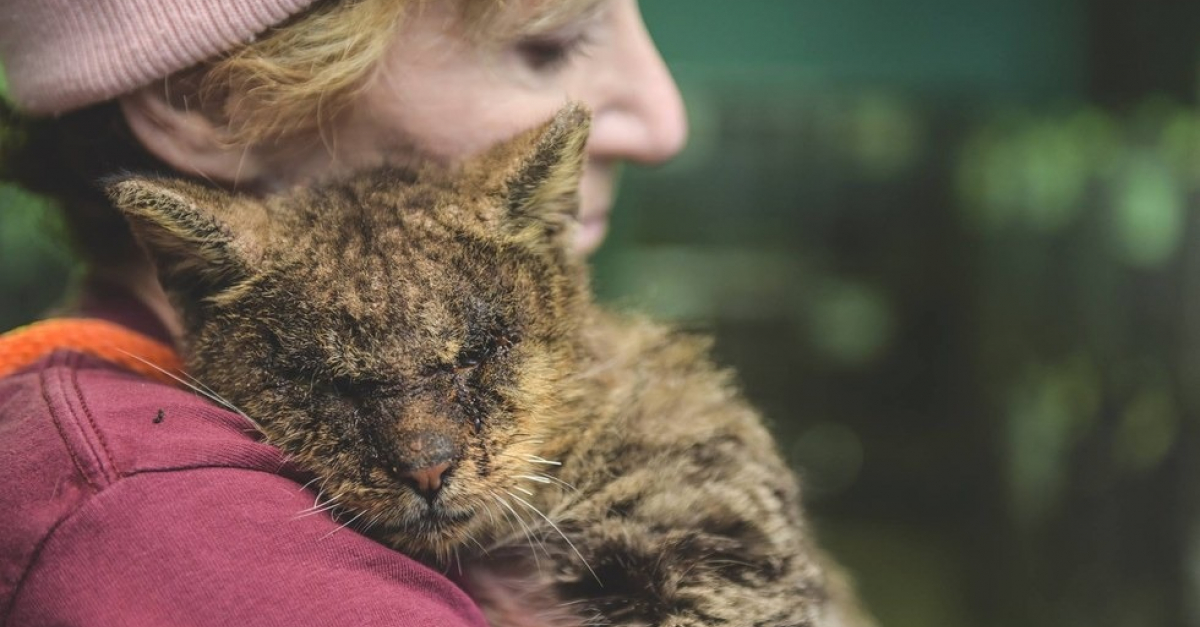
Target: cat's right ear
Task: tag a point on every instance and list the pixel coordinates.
(536, 174)
(178, 225)
(543, 192)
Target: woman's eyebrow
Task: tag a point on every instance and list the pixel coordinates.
(503, 22)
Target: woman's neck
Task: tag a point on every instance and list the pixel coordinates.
(141, 281)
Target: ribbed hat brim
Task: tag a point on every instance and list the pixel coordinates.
(61, 55)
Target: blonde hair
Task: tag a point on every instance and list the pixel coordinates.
(306, 70)
(291, 80)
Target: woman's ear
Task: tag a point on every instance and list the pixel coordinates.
(190, 140)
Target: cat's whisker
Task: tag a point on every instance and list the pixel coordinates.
(376, 519)
(206, 392)
(507, 516)
(482, 548)
(523, 491)
(317, 508)
(592, 372)
(514, 532)
(210, 390)
(487, 507)
(371, 522)
(320, 497)
(285, 458)
(560, 532)
(597, 620)
(730, 562)
(344, 525)
(528, 532)
(499, 540)
(526, 438)
(544, 478)
(197, 387)
(540, 460)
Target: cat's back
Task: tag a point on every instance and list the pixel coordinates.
(654, 371)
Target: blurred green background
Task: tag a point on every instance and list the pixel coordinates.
(953, 249)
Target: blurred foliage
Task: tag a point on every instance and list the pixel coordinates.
(34, 265)
(953, 251)
(971, 324)
(1036, 172)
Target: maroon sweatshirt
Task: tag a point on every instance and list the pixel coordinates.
(128, 503)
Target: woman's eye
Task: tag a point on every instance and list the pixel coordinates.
(550, 54)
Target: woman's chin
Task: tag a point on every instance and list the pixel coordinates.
(590, 234)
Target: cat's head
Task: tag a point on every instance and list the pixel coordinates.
(409, 335)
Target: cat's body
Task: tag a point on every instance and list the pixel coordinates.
(424, 342)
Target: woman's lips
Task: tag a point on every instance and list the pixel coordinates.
(591, 231)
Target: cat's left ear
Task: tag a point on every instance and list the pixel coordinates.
(542, 190)
(200, 238)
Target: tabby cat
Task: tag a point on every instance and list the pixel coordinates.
(423, 340)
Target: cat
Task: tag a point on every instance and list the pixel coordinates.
(423, 340)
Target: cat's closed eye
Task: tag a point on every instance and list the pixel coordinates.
(478, 350)
(470, 358)
(361, 387)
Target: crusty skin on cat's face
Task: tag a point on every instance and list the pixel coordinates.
(408, 348)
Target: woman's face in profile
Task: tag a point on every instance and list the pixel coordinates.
(438, 93)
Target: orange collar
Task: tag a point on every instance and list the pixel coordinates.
(108, 341)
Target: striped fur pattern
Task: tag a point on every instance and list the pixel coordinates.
(600, 469)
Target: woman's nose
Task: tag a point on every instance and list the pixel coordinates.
(640, 116)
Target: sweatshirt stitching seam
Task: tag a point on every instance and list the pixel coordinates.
(107, 462)
(70, 363)
(58, 426)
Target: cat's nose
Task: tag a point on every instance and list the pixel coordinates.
(428, 481)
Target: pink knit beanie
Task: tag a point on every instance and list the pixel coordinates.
(60, 55)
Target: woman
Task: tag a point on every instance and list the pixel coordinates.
(131, 503)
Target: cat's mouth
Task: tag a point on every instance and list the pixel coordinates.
(428, 518)
(448, 518)
(431, 534)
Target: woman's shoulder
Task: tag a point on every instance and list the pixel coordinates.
(173, 511)
(108, 423)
